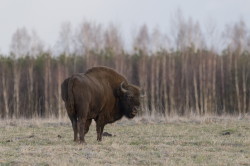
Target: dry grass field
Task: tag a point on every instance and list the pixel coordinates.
(207, 141)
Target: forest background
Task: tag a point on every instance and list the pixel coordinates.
(192, 71)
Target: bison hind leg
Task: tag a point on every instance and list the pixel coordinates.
(73, 119)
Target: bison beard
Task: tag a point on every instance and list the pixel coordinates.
(100, 94)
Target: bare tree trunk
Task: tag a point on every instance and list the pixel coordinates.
(182, 97)
(157, 88)
(144, 83)
(197, 110)
(201, 88)
(59, 99)
(16, 90)
(205, 88)
(213, 102)
(164, 84)
(231, 98)
(237, 86)
(31, 89)
(152, 88)
(5, 97)
(223, 87)
(209, 84)
(50, 90)
(244, 91)
(186, 87)
(172, 85)
(46, 88)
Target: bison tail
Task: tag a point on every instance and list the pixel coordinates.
(70, 94)
(64, 90)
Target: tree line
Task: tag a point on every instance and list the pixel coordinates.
(178, 83)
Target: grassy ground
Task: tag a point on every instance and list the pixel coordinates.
(137, 142)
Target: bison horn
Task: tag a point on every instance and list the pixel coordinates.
(123, 89)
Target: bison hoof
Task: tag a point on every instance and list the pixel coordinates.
(82, 143)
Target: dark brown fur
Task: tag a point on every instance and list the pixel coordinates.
(100, 94)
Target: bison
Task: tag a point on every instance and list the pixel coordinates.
(101, 94)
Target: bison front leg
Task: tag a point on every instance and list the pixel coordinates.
(99, 130)
(88, 122)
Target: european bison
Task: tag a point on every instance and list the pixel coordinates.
(101, 94)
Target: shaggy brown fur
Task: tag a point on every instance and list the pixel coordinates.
(101, 94)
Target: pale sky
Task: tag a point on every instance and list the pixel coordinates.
(46, 16)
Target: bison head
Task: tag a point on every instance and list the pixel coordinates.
(129, 99)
